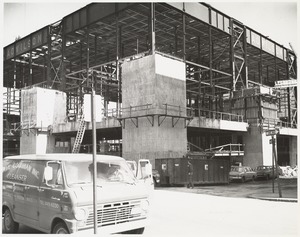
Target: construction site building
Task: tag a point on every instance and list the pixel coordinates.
(171, 79)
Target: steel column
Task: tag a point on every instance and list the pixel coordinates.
(30, 65)
(15, 73)
(210, 61)
(96, 49)
(175, 42)
(152, 27)
(63, 52)
(198, 49)
(81, 64)
(232, 57)
(245, 57)
(184, 32)
(289, 105)
(117, 60)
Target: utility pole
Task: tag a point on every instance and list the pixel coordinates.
(94, 135)
(94, 154)
(276, 164)
(273, 133)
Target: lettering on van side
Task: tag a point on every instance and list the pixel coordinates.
(24, 166)
(17, 177)
(49, 204)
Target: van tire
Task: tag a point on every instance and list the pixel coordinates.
(60, 228)
(9, 225)
(135, 231)
(139, 231)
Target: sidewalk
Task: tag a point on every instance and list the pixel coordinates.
(259, 190)
(289, 192)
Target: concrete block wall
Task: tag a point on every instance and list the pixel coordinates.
(154, 80)
(40, 108)
(43, 107)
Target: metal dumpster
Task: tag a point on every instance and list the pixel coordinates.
(173, 171)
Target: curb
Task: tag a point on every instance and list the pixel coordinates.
(275, 199)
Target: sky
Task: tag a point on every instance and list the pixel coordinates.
(278, 20)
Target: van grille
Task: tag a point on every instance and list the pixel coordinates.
(115, 213)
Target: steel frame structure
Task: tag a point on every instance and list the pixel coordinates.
(221, 54)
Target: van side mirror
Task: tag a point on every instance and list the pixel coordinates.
(48, 174)
(148, 170)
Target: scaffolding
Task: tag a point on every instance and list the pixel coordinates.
(221, 54)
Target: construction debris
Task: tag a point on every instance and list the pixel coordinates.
(289, 172)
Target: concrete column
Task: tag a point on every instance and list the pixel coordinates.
(293, 150)
(258, 150)
(154, 80)
(28, 143)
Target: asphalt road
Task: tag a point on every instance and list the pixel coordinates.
(250, 189)
(217, 211)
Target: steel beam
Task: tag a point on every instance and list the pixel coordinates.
(152, 27)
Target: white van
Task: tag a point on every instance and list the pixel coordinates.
(53, 193)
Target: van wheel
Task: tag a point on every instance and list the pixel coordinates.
(135, 231)
(60, 228)
(138, 231)
(10, 226)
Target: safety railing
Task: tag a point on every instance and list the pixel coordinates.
(150, 109)
(134, 111)
(227, 148)
(172, 110)
(216, 115)
(269, 123)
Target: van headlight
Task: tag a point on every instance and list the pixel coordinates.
(81, 213)
(145, 205)
(141, 209)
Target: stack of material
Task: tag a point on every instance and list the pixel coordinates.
(289, 172)
(256, 103)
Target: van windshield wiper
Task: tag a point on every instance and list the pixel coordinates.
(127, 182)
(90, 183)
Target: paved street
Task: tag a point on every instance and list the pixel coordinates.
(191, 214)
(217, 211)
(254, 189)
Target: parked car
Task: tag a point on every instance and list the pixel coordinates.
(241, 173)
(265, 172)
(156, 177)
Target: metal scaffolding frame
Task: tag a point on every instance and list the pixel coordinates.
(221, 54)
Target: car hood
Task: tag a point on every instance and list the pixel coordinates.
(261, 172)
(234, 173)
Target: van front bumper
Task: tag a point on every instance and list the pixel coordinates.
(109, 229)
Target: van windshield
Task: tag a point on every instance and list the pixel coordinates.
(78, 173)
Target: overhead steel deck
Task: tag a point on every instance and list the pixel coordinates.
(221, 54)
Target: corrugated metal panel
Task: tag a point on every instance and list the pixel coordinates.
(174, 170)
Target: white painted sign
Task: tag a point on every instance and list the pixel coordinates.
(87, 108)
(170, 67)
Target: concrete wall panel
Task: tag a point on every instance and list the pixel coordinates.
(293, 151)
(27, 143)
(253, 149)
(40, 108)
(142, 84)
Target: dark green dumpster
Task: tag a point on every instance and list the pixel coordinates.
(173, 171)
